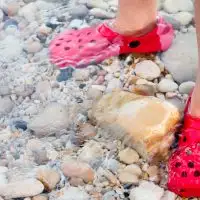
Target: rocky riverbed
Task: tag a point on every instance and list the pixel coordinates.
(85, 138)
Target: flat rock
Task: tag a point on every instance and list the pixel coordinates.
(26, 188)
(128, 156)
(126, 177)
(6, 105)
(132, 118)
(54, 118)
(181, 60)
(186, 87)
(167, 85)
(76, 169)
(146, 191)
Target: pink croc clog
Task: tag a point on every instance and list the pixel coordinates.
(79, 48)
(184, 164)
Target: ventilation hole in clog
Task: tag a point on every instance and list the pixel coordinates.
(88, 33)
(182, 190)
(57, 45)
(184, 174)
(67, 48)
(197, 173)
(134, 44)
(178, 164)
(184, 139)
(190, 164)
(80, 40)
(68, 41)
(61, 39)
(92, 41)
(79, 35)
(80, 47)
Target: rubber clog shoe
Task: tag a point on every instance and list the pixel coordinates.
(79, 48)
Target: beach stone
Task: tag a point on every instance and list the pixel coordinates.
(91, 151)
(97, 4)
(184, 18)
(182, 64)
(186, 87)
(167, 85)
(146, 191)
(171, 6)
(147, 69)
(73, 193)
(123, 115)
(6, 106)
(4, 90)
(76, 182)
(52, 119)
(77, 169)
(40, 197)
(133, 169)
(23, 188)
(113, 84)
(102, 14)
(126, 177)
(33, 47)
(128, 156)
(168, 196)
(81, 74)
(79, 11)
(49, 177)
(29, 12)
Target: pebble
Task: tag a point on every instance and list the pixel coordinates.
(4, 90)
(113, 84)
(79, 11)
(29, 12)
(128, 156)
(97, 4)
(171, 6)
(24, 90)
(146, 191)
(40, 197)
(77, 169)
(184, 18)
(49, 177)
(102, 14)
(74, 181)
(168, 196)
(167, 85)
(147, 69)
(186, 87)
(19, 189)
(94, 94)
(6, 105)
(126, 177)
(53, 119)
(33, 47)
(133, 169)
(81, 74)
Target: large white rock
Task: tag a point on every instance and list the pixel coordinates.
(181, 60)
(184, 18)
(167, 85)
(145, 123)
(172, 6)
(146, 191)
(26, 188)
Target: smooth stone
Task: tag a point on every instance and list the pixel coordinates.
(171, 6)
(182, 64)
(49, 177)
(6, 106)
(33, 47)
(4, 90)
(146, 191)
(113, 84)
(169, 196)
(167, 85)
(186, 87)
(73, 193)
(29, 12)
(126, 177)
(102, 14)
(75, 23)
(128, 156)
(52, 119)
(77, 169)
(184, 18)
(19, 189)
(24, 90)
(133, 169)
(125, 116)
(79, 11)
(81, 74)
(97, 4)
(147, 69)
(40, 197)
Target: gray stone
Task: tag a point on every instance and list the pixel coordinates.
(172, 6)
(181, 60)
(186, 87)
(102, 14)
(184, 18)
(6, 105)
(53, 119)
(4, 90)
(79, 11)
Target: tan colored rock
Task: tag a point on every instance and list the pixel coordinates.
(78, 169)
(145, 123)
(133, 169)
(49, 178)
(40, 197)
(128, 156)
(126, 177)
(76, 182)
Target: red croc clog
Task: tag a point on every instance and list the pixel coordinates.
(184, 164)
(79, 48)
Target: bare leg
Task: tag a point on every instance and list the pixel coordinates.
(195, 103)
(136, 16)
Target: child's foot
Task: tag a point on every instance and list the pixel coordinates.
(79, 48)
(184, 164)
